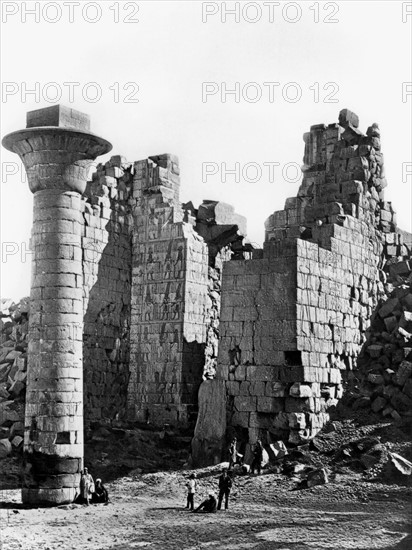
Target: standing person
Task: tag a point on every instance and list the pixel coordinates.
(191, 490)
(257, 458)
(234, 454)
(225, 484)
(100, 494)
(208, 505)
(86, 486)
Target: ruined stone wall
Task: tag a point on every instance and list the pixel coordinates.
(258, 328)
(169, 293)
(293, 322)
(151, 299)
(106, 244)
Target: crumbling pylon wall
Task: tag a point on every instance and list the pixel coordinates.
(325, 250)
(169, 299)
(151, 299)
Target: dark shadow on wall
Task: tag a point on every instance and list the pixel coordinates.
(192, 371)
(106, 336)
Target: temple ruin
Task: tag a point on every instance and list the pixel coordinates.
(144, 309)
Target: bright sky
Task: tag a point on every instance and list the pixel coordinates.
(165, 54)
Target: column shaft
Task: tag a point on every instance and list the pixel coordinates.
(53, 439)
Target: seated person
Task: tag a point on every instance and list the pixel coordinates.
(209, 505)
(100, 494)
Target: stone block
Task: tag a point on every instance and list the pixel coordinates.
(16, 441)
(5, 448)
(348, 117)
(275, 389)
(262, 421)
(270, 404)
(391, 323)
(58, 115)
(403, 373)
(297, 420)
(300, 390)
(352, 136)
(378, 404)
(278, 449)
(245, 404)
(261, 373)
(388, 307)
(240, 419)
(317, 477)
(375, 350)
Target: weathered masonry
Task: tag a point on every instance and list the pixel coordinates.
(125, 294)
(145, 309)
(293, 319)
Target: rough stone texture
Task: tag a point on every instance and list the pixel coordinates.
(293, 320)
(176, 260)
(384, 374)
(169, 293)
(209, 440)
(56, 160)
(137, 298)
(107, 252)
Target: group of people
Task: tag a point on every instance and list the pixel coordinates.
(97, 493)
(210, 504)
(91, 491)
(236, 458)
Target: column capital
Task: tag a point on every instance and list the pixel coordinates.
(56, 148)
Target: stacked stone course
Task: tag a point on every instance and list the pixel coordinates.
(137, 298)
(293, 322)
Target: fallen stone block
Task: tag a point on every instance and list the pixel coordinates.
(17, 388)
(403, 373)
(369, 461)
(378, 404)
(221, 213)
(4, 394)
(278, 449)
(7, 414)
(407, 388)
(16, 441)
(375, 350)
(388, 307)
(12, 355)
(405, 334)
(17, 429)
(401, 464)
(298, 468)
(361, 403)
(317, 477)
(391, 323)
(347, 117)
(401, 403)
(5, 448)
(376, 379)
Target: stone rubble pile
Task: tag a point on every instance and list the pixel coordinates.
(13, 365)
(385, 362)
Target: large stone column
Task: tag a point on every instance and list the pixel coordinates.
(56, 149)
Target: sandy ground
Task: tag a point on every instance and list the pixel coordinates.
(265, 512)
